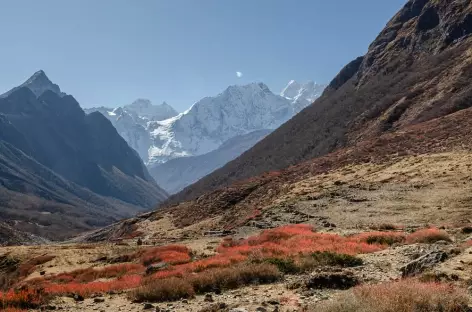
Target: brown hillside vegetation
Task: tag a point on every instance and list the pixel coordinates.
(416, 70)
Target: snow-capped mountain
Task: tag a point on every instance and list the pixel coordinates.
(145, 109)
(208, 123)
(302, 95)
(131, 122)
(213, 120)
(38, 84)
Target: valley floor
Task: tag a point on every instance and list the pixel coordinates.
(406, 217)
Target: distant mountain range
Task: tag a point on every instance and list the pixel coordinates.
(205, 128)
(63, 171)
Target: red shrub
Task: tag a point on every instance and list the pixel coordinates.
(172, 254)
(295, 239)
(91, 274)
(87, 289)
(28, 298)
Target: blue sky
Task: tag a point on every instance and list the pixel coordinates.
(110, 52)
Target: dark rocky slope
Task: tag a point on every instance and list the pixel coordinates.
(62, 171)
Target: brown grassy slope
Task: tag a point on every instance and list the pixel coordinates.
(241, 199)
(417, 69)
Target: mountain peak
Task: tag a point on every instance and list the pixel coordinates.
(39, 75)
(141, 103)
(145, 109)
(38, 83)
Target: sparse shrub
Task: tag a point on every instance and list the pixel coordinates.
(163, 290)
(401, 296)
(387, 227)
(428, 236)
(334, 259)
(382, 238)
(234, 277)
(286, 266)
(434, 277)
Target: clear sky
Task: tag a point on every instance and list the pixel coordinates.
(110, 52)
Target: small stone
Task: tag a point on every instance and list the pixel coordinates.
(261, 309)
(98, 300)
(208, 298)
(42, 272)
(158, 309)
(184, 301)
(78, 297)
(273, 302)
(147, 306)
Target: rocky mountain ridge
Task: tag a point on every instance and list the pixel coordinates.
(60, 164)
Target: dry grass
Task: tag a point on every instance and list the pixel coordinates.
(382, 238)
(175, 288)
(401, 296)
(234, 277)
(428, 236)
(162, 290)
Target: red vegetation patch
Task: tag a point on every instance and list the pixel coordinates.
(24, 299)
(288, 242)
(295, 239)
(171, 254)
(87, 289)
(92, 274)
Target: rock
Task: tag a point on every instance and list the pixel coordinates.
(156, 267)
(467, 230)
(422, 263)
(273, 302)
(261, 309)
(442, 242)
(332, 280)
(147, 306)
(184, 301)
(238, 310)
(158, 309)
(98, 300)
(208, 298)
(78, 297)
(42, 272)
(139, 242)
(48, 308)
